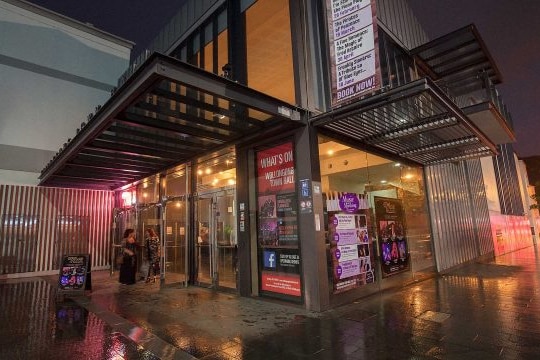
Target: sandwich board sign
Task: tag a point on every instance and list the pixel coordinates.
(75, 275)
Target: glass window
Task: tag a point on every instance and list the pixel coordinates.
(216, 173)
(208, 49)
(148, 191)
(378, 206)
(269, 49)
(175, 184)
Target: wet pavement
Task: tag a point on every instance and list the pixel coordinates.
(484, 310)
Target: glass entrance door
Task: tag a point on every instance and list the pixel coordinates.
(176, 230)
(216, 241)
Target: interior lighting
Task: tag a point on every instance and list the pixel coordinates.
(178, 204)
(330, 152)
(208, 171)
(215, 181)
(199, 172)
(232, 181)
(397, 164)
(383, 181)
(408, 176)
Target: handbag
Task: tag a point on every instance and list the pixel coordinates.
(120, 259)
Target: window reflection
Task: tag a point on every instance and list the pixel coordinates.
(269, 49)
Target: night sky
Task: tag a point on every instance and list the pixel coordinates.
(511, 32)
(510, 29)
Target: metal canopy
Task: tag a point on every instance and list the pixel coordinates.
(167, 113)
(416, 121)
(457, 58)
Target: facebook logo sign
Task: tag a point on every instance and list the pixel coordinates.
(269, 259)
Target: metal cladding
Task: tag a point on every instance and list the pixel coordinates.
(39, 224)
(459, 213)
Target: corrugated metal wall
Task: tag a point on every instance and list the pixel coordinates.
(399, 20)
(39, 225)
(508, 185)
(480, 208)
(459, 212)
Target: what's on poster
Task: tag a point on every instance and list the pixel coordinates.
(277, 209)
(350, 244)
(392, 234)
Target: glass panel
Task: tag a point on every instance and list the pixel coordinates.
(148, 191)
(209, 52)
(377, 206)
(175, 183)
(203, 246)
(269, 49)
(175, 241)
(149, 217)
(223, 50)
(216, 221)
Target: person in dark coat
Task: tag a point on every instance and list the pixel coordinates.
(128, 269)
(153, 248)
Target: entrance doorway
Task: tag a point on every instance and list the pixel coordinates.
(216, 247)
(176, 230)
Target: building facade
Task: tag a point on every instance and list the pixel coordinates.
(55, 71)
(314, 152)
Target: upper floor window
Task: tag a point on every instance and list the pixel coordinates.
(269, 49)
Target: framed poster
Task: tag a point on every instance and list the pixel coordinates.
(392, 234)
(277, 216)
(350, 255)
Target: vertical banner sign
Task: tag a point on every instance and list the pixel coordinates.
(352, 32)
(393, 240)
(277, 204)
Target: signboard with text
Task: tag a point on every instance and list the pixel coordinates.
(75, 273)
(277, 214)
(354, 62)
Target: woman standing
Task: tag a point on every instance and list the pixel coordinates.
(128, 269)
(153, 249)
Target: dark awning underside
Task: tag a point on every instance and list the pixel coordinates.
(415, 121)
(457, 58)
(167, 113)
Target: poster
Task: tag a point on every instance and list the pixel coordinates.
(277, 209)
(353, 49)
(74, 273)
(393, 241)
(350, 245)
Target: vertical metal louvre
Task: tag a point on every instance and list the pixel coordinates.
(507, 182)
(480, 207)
(398, 18)
(40, 224)
(452, 218)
